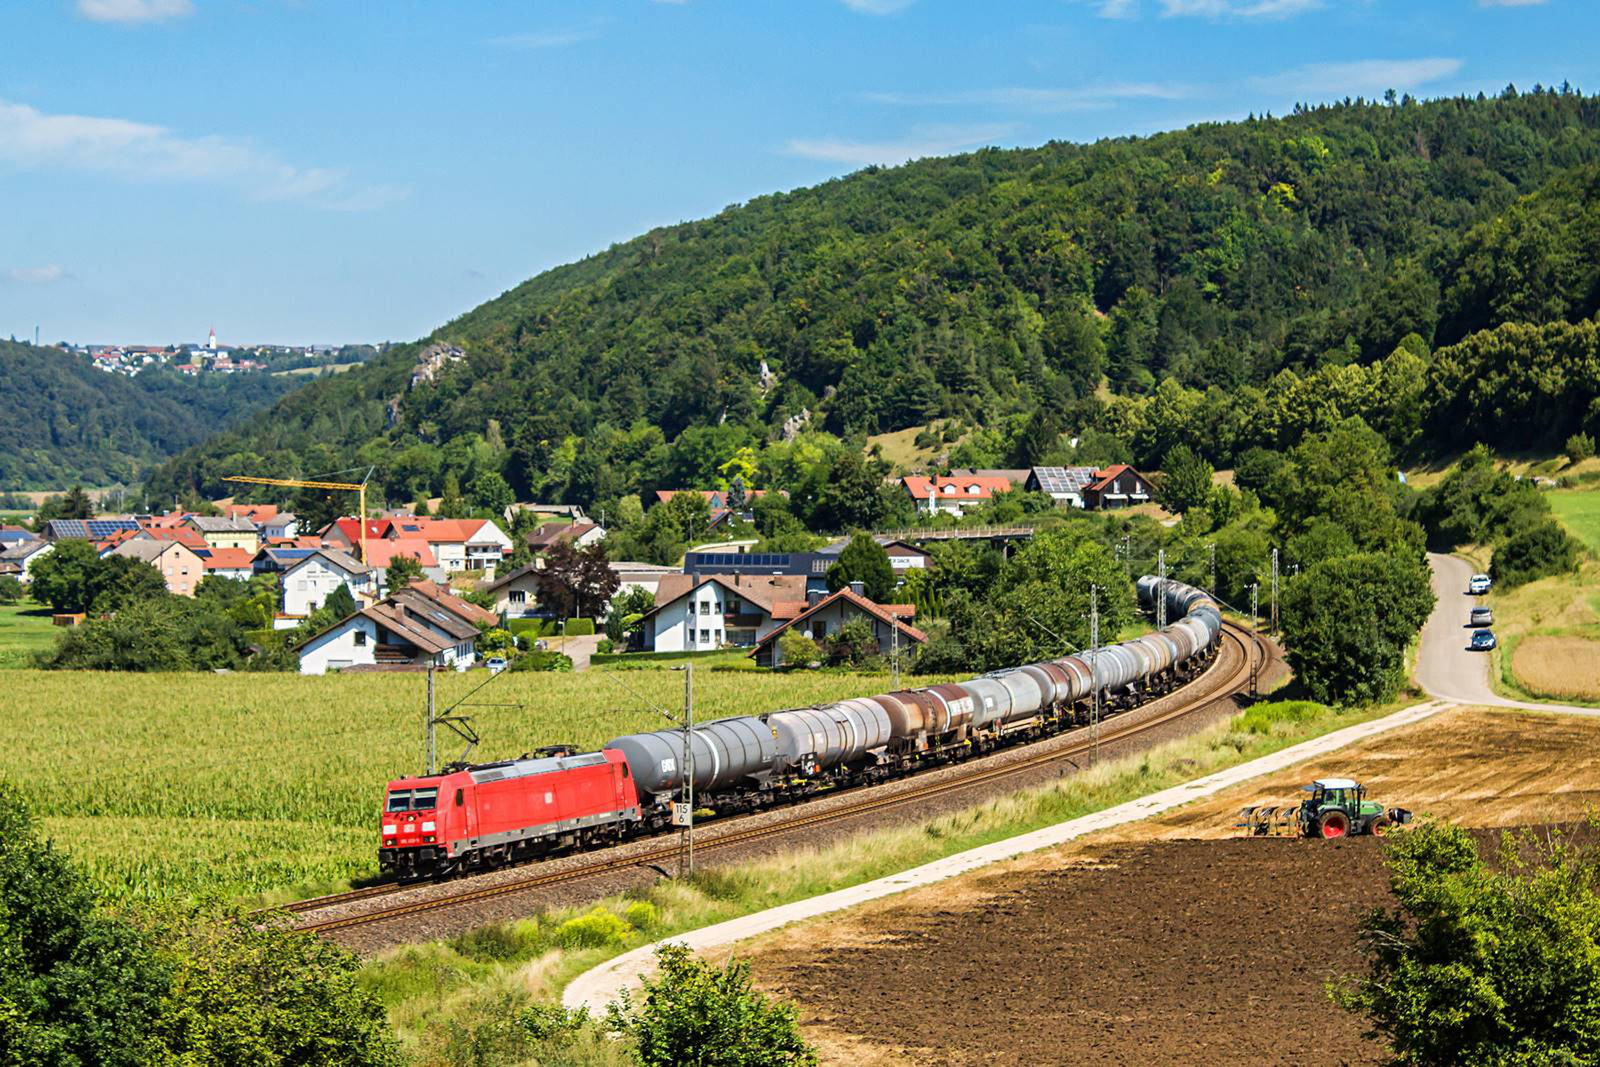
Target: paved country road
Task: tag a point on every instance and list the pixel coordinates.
(1446, 668)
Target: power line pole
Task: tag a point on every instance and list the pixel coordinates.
(431, 720)
(894, 648)
(686, 866)
(1161, 589)
(1274, 591)
(1094, 669)
(1255, 606)
(1212, 549)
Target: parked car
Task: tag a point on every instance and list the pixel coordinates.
(1479, 584)
(496, 664)
(1482, 640)
(1481, 617)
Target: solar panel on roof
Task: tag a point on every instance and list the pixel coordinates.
(1063, 479)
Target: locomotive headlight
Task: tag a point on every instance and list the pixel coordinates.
(427, 827)
(389, 828)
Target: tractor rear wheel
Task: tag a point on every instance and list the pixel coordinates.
(1379, 825)
(1333, 824)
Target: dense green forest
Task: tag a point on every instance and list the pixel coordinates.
(1234, 285)
(64, 422)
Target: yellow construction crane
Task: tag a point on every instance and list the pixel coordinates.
(360, 488)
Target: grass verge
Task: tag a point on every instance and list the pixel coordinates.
(438, 993)
(25, 628)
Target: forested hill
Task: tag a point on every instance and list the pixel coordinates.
(62, 421)
(980, 288)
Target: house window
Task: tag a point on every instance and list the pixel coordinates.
(731, 606)
(705, 637)
(705, 607)
(519, 596)
(819, 629)
(361, 638)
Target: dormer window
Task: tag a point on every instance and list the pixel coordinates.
(973, 490)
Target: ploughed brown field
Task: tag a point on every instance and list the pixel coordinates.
(1168, 941)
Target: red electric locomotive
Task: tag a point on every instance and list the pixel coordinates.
(497, 813)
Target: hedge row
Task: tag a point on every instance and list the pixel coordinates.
(550, 627)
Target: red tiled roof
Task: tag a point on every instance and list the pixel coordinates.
(1110, 474)
(228, 559)
(466, 609)
(384, 550)
(956, 487)
(257, 513)
(184, 535)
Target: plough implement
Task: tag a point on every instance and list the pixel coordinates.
(1336, 807)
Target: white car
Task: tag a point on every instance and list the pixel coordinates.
(496, 664)
(1479, 584)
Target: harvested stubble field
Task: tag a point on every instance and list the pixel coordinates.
(1559, 666)
(268, 784)
(1171, 940)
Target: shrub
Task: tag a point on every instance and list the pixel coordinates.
(641, 914)
(1580, 446)
(795, 649)
(1483, 965)
(605, 646)
(1536, 550)
(75, 986)
(1261, 718)
(696, 1013)
(10, 589)
(851, 645)
(545, 660)
(499, 941)
(595, 929)
(580, 627)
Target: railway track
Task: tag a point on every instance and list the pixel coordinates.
(1251, 657)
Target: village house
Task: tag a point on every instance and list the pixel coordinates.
(221, 532)
(181, 568)
(954, 493)
(579, 534)
(419, 626)
(694, 614)
(828, 615)
(903, 555)
(309, 581)
(1090, 487)
(236, 564)
(457, 544)
(1118, 486)
(283, 526)
(24, 555)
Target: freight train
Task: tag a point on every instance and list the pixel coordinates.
(492, 814)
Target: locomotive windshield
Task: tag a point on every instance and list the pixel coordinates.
(413, 800)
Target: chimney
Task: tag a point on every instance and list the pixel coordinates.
(814, 597)
(859, 588)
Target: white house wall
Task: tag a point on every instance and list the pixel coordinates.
(337, 648)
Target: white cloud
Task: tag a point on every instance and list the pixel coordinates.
(546, 38)
(1119, 9)
(1078, 98)
(34, 140)
(878, 7)
(45, 275)
(131, 11)
(925, 141)
(1244, 9)
(1366, 77)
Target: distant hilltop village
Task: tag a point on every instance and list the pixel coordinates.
(213, 358)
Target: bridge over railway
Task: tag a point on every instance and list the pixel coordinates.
(958, 533)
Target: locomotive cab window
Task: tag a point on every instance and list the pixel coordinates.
(424, 799)
(399, 800)
(458, 797)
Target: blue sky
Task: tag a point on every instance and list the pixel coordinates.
(305, 170)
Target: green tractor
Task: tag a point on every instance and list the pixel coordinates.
(1337, 807)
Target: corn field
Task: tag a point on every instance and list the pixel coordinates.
(265, 785)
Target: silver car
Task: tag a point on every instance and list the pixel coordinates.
(1481, 617)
